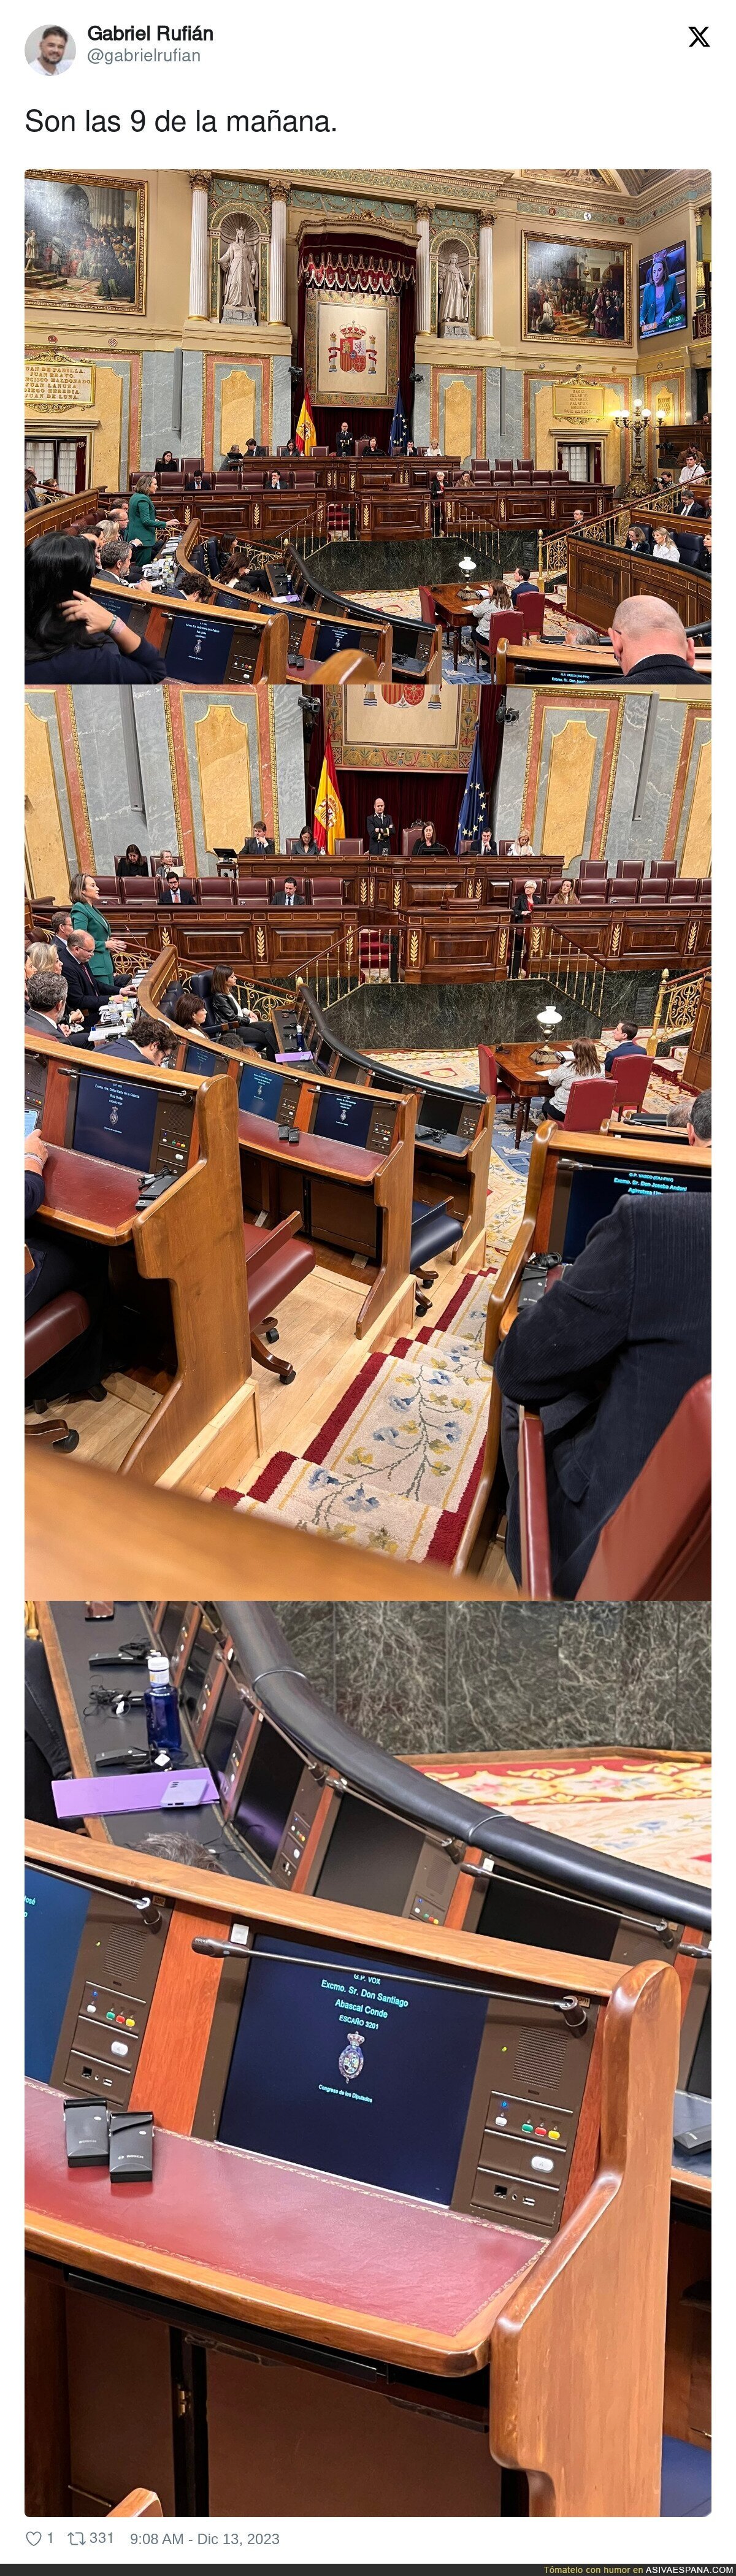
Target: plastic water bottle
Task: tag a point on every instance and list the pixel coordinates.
(162, 1708)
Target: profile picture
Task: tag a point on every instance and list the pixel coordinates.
(50, 50)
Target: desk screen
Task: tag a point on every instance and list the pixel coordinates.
(268, 1792)
(56, 1913)
(343, 1117)
(199, 1059)
(699, 2079)
(259, 1091)
(585, 1192)
(115, 1118)
(198, 1658)
(170, 1626)
(370, 1859)
(440, 1109)
(198, 649)
(219, 1742)
(351, 2069)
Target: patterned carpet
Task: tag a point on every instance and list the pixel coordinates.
(643, 1807)
(397, 1463)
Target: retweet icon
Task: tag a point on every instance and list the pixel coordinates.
(350, 2061)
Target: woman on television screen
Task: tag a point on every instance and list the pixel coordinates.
(660, 296)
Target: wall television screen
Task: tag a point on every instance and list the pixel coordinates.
(663, 291)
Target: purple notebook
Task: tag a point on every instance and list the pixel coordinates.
(130, 1796)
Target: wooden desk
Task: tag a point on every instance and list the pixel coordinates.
(525, 1079)
(58, 518)
(570, 665)
(620, 1145)
(332, 2268)
(599, 577)
(455, 605)
(191, 1239)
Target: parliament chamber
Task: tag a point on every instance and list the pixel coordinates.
(327, 2306)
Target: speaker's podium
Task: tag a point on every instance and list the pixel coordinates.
(404, 2249)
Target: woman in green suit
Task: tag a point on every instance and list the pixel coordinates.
(86, 915)
(141, 529)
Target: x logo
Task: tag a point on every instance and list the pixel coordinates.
(700, 36)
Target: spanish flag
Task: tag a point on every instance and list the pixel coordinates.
(329, 820)
(305, 433)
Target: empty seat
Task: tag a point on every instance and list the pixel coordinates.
(491, 1082)
(226, 479)
(532, 612)
(47, 1333)
(137, 890)
(325, 889)
(686, 890)
(656, 1545)
(192, 464)
(655, 890)
(625, 889)
(631, 1076)
(433, 1230)
(663, 868)
(254, 889)
(274, 1264)
(109, 888)
(348, 849)
(589, 1102)
(629, 868)
(212, 890)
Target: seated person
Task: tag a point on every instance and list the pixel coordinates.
(31, 495)
(650, 643)
(373, 448)
(692, 469)
(521, 848)
(42, 957)
(524, 900)
(496, 598)
(168, 463)
(486, 846)
(702, 560)
(59, 1262)
(664, 549)
(699, 1121)
(638, 541)
(288, 896)
(46, 991)
(134, 864)
(274, 481)
(379, 827)
(291, 448)
(190, 1012)
(607, 1356)
(578, 519)
(624, 1043)
(522, 585)
(567, 893)
(428, 842)
(147, 1040)
(226, 1012)
(259, 846)
(116, 561)
(309, 847)
(343, 442)
(234, 455)
(579, 1064)
(171, 890)
(71, 637)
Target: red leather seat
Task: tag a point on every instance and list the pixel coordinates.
(430, 614)
(325, 889)
(212, 890)
(591, 1100)
(253, 889)
(504, 625)
(137, 889)
(631, 1076)
(656, 1545)
(491, 1087)
(49, 1331)
(532, 611)
(275, 1262)
(348, 849)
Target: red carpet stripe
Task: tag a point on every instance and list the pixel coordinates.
(322, 1442)
(271, 1476)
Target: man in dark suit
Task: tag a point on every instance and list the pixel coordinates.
(148, 1042)
(259, 846)
(486, 846)
(343, 442)
(651, 646)
(521, 588)
(289, 897)
(380, 830)
(83, 993)
(624, 1043)
(607, 1357)
(46, 1006)
(173, 892)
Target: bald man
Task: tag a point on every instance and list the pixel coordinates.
(651, 645)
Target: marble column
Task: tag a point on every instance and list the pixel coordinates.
(277, 266)
(484, 321)
(198, 284)
(424, 273)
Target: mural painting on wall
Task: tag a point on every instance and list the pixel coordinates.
(85, 241)
(351, 348)
(575, 290)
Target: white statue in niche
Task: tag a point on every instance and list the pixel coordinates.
(239, 266)
(454, 298)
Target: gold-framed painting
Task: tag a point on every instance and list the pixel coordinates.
(576, 291)
(351, 349)
(85, 241)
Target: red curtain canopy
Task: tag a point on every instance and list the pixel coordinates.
(352, 269)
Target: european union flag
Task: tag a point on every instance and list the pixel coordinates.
(474, 808)
(397, 436)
